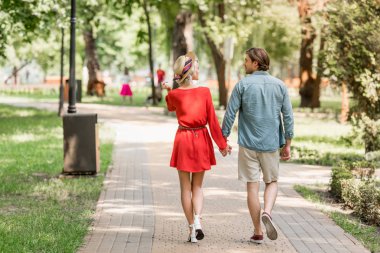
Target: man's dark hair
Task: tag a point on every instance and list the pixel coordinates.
(260, 56)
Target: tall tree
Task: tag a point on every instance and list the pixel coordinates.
(217, 52)
(218, 22)
(146, 35)
(43, 49)
(309, 81)
(95, 85)
(146, 8)
(352, 58)
(182, 39)
(98, 21)
(178, 20)
(24, 17)
(308, 84)
(21, 22)
(91, 16)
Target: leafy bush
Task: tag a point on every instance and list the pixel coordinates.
(351, 57)
(350, 192)
(331, 158)
(363, 170)
(312, 156)
(368, 207)
(339, 173)
(305, 155)
(367, 129)
(352, 183)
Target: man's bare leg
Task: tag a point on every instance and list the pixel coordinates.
(254, 205)
(270, 195)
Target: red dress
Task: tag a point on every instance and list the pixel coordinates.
(193, 150)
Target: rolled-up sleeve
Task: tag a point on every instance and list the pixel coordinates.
(287, 113)
(232, 108)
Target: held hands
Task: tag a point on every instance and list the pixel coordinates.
(226, 151)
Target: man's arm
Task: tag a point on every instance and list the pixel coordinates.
(232, 108)
(287, 113)
(285, 151)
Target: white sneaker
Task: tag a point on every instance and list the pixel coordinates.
(269, 226)
(192, 236)
(198, 228)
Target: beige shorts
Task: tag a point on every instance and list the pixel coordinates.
(250, 164)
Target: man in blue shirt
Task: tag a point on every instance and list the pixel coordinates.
(265, 125)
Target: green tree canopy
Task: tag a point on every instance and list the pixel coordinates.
(352, 57)
(24, 19)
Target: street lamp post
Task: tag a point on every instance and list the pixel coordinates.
(71, 107)
(80, 131)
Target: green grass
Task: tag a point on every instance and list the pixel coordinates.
(329, 104)
(112, 96)
(368, 235)
(323, 140)
(35, 93)
(40, 212)
(308, 193)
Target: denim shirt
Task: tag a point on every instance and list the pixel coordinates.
(262, 100)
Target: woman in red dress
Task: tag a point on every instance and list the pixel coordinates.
(193, 151)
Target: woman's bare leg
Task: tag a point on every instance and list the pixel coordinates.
(185, 184)
(196, 189)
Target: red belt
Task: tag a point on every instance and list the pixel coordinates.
(190, 128)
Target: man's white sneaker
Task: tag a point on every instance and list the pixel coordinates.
(269, 226)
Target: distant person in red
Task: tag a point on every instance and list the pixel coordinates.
(126, 90)
(160, 79)
(193, 150)
(158, 89)
(160, 75)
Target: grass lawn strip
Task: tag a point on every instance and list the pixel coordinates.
(40, 212)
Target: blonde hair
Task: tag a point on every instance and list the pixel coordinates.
(178, 69)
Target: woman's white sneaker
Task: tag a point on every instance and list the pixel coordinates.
(192, 236)
(198, 228)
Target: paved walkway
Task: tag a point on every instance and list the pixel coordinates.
(139, 208)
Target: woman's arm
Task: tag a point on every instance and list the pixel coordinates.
(169, 102)
(213, 123)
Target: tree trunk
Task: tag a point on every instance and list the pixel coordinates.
(151, 65)
(345, 104)
(95, 85)
(317, 84)
(220, 65)
(307, 82)
(15, 75)
(218, 57)
(182, 36)
(317, 87)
